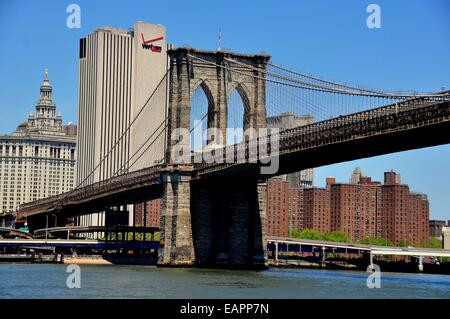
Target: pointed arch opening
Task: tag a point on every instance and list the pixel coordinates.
(237, 115)
(201, 115)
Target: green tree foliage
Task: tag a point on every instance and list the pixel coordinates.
(444, 260)
(376, 241)
(337, 236)
(434, 243)
(312, 234)
(306, 234)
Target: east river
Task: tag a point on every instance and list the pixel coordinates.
(117, 281)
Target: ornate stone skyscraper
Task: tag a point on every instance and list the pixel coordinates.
(46, 119)
(38, 159)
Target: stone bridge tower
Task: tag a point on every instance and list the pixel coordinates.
(213, 221)
(191, 68)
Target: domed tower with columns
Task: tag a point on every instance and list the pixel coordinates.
(39, 154)
(45, 120)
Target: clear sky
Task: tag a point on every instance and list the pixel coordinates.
(411, 51)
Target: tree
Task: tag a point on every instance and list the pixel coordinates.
(376, 241)
(434, 243)
(311, 234)
(337, 236)
(307, 233)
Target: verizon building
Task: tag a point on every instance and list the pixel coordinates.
(118, 72)
(121, 74)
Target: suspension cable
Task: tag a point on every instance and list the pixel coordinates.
(116, 143)
(327, 90)
(330, 82)
(360, 90)
(143, 144)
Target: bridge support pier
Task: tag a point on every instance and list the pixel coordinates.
(212, 222)
(228, 222)
(276, 253)
(322, 257)
(176, 245)
(420, 266)
(371, 261)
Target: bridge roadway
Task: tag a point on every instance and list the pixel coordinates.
(127, 188)
(14, 232)
(40, 233)
(294, 244)
(408, 125)
(412, 124)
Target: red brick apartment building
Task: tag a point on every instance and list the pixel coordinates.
(152, 214)
(317, 209)
(295, 208)
(362, 208)
(277, 207)
(405, 215)
(365, 208)
(354, 209)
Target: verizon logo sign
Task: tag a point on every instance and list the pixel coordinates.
(148, 44)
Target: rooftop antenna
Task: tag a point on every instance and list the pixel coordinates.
(220, 40)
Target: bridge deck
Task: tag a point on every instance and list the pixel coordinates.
(374, 250)
(393, 128)
(95, 229)
(15, 232)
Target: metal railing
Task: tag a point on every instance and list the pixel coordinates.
(336, 129)
(133, 178)
(316, 134)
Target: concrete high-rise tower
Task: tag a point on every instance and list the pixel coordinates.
(121, 102)
(118, 72)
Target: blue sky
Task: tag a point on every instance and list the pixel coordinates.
(328, 38)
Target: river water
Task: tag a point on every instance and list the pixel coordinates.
(117, 281)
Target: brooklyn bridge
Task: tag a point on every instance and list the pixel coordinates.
(213, 210)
